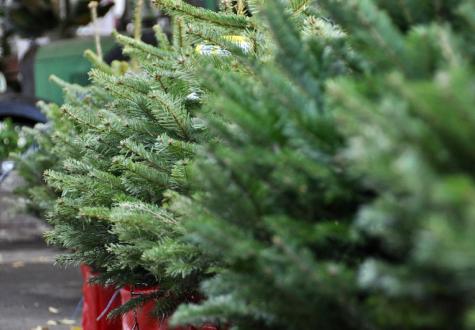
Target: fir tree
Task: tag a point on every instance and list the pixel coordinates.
(274, 204)
(134, 131)
(409, 119)
(132, 135)
(350, 211)
(37, 156)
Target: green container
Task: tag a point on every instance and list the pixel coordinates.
(210, 4)
(64, 59)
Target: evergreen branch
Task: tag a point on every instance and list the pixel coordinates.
(222, 19)
(137, 44)
(67, 86)
(97, 61)
(162, 85)
(138, 149)
(172, 109)
(299, 6)
(178, 32)
(161, 37)
(70, 111)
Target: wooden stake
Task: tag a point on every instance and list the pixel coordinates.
(138, 20)
(93, 7)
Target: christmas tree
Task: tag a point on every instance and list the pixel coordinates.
(307, 164)
(130, 137)
(408, 117)
(274, 204)
(38, 155)
(133, 132)
(344, 194)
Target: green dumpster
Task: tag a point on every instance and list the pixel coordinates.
(64, 59)
(210, 4)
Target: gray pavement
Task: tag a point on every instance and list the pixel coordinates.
(34, 293)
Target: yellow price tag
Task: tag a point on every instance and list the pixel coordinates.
(242, 42)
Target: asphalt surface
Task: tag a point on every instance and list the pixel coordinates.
(34, 292)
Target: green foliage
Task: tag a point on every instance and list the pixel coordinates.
(132, 134)
(342, 202)
(8, 138)
(39, 155)
(308, 164)
(409, 127)
(274, 205)
(129, 140)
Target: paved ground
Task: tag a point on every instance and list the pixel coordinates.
(34, 293)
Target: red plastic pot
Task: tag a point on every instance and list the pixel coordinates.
(141, 318)
(98, 301)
